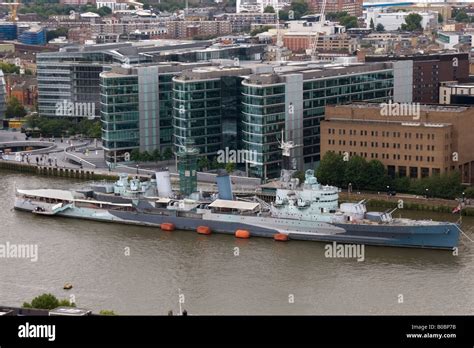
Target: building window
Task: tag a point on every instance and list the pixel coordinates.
(413, 172)
(425, 172)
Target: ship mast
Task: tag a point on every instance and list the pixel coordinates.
(286, 147)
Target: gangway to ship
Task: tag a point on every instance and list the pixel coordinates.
(54, 209)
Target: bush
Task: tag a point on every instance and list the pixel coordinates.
(47, 301)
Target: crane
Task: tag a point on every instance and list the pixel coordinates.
(314, 41)
(13, 5)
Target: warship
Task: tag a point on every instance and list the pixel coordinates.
(306, 211)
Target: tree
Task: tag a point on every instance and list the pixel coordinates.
(356, 172)
(8, 68)
(52, 34)
(47, 301)
(168, 154)
(203, 163)
(380, 27)
(378, 176)
(14, 108)
(349, 22)
(269, 9)
(412, 22)
(131, 7)
(462, 16)
(145, 156)
(135, 155)
(440, 18)
(372, 25)
(156, 155)
(257, 31)
(230, 167)
(331, 169)
(104, 11)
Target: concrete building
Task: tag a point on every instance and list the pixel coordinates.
(352, 7)
(72, 74)
(429, 70)
(395, 20)
(451, 40)
(242, 22)
(456, 93)
(436, 140)
(118, 5)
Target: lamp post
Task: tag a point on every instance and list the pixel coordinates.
(137, 168)
(427, 193)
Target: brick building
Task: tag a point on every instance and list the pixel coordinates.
(438, 141)
(188, 29)
(430, 70)
(352, 7)
(22, 87)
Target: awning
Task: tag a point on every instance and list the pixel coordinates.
(237, 205)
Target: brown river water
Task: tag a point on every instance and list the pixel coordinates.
(266, 277)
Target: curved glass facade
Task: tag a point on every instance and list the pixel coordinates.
(263, 119)
(120, 116)
(208, 112)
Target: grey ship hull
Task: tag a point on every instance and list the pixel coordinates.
(438, 236)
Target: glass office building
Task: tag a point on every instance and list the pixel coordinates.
(207, 108)
(294, 101)
(137, 108)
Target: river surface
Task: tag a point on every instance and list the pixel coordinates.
(266, 277)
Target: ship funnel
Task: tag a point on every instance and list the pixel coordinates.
(224, 185)
(163, 183)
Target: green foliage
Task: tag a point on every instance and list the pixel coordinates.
(47, 301)
(107, 312)
(203, 163)
(299, 8)
(440, 18)
(372, 175)
(135, 155)
(269, 9)
(145, 157)
(230, 167)
(52, 34)
(300, 176)
(168, 154)
(104, 11)
(14, 109)
(356, 172)
(443, 186)
(372, 25)
(412, 22)
(259, 30)
(331, 169)
(343, 18)
(156, 155)
(8, 68)
(379, 27)
(462, 16)
(59, 126)
(469, 192)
